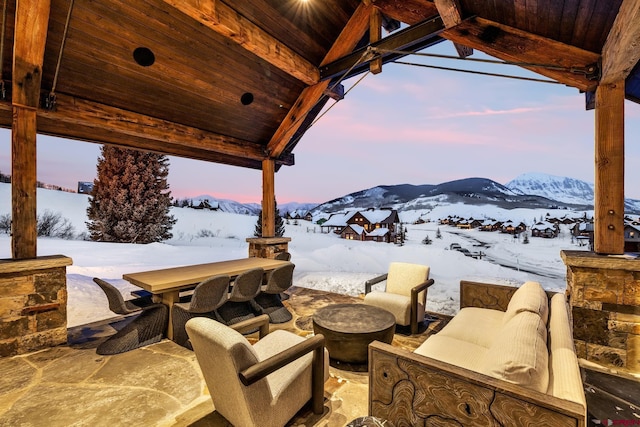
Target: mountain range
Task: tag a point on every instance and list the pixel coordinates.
(529, 190)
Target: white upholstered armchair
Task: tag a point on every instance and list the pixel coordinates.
(264, 384)
(405, 294)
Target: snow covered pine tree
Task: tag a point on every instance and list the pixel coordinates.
(130, 199)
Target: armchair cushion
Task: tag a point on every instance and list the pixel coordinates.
(398, 305)
(403, 276)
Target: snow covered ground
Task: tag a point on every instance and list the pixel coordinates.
(323, 261)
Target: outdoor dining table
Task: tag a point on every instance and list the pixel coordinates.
(165, 284)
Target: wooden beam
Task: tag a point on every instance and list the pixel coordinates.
(511, 44)
(345, 43)
(30, 36)
(408, 11)
(451, 16)
(621, 51)
(375, 34)
(268, 199)
(609, 169)
(225, 21)
(79, 112)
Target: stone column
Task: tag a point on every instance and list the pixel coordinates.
(33, 304)
(267, 247)
(604, 292)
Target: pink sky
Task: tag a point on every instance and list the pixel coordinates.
(407, 125)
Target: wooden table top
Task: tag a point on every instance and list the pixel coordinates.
(353, 318)
(169, 279)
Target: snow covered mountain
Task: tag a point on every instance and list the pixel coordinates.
(471, 191)
(562, 189)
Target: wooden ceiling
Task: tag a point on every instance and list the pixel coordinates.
(239, 82)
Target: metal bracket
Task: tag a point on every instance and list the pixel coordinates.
(591, 71)
(49, 102)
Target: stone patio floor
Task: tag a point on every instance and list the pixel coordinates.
(162, 385)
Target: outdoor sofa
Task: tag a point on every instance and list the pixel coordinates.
(507, 358)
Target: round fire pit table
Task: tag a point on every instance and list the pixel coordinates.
(349, 328)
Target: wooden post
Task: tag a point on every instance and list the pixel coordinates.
(375, 34)
(268, 198)
(609, 169)
(32, 19)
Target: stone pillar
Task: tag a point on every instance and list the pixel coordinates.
(267, 247)
(604, 292)
(33, 304)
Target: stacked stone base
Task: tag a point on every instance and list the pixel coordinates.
(604, 292)
(33, 304)
(267, 247)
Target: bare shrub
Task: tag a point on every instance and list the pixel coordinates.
(5, 223)
(52, 224)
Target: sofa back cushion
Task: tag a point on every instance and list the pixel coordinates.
(529, 297)
(519, 353)
(565, 380)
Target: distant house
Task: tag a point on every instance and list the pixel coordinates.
(511, 228)
(631, 238)
(299, 214)
(206, 204)
(85, 187)
(353, 232)
(336, 222)
(490, 225)
(544, 229)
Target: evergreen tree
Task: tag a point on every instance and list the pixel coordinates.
(257, 232)
(427, 240)
(526, 239)
(130, 199)
(438, 234)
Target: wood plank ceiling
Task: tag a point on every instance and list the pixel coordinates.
(233, 82)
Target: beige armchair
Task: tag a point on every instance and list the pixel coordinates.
(405, 294)
(261, 385)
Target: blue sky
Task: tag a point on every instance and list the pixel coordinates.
(405, 125)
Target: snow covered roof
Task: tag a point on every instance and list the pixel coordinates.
(378, 232)
(356, 228)
(337, 220)
(376, 216)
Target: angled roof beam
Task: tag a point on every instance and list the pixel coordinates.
(620, 52)
(513, 45)
(414, 38)
(344, 44)
(224, 20)
(408, 11)
(451, 16)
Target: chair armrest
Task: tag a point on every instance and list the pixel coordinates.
(262, 369)
(277, 361)
(414, 303)
(262, 321)
(419, 288)
(371, 282)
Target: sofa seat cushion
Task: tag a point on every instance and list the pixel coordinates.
(474, 325)
(398, 305)
(454, 351)
(519, 353)
(529, 297)
(565, 380)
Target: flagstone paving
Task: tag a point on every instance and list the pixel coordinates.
(158, 385)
